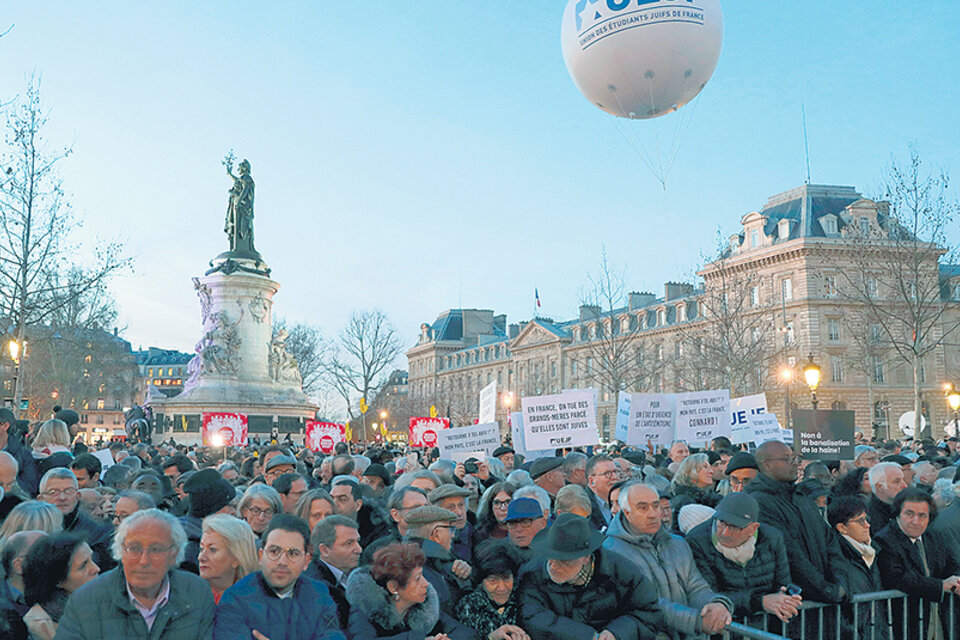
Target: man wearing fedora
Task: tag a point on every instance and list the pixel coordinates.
(576, 590)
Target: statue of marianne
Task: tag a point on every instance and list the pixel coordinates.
(239, 223)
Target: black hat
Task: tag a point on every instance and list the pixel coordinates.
(712, 457)
(544, 465)
(502, 449)
(896, 458)
(69, 416)
(208, 492)
(378, 471)
(739, 509)
(741, 460)
(636, 458)
(569, 537)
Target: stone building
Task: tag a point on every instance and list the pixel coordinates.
(781, 292)
(162, 369)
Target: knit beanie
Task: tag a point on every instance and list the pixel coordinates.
(693, 514)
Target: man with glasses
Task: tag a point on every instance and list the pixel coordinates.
(402, 501)
(277, 601)
(602, 473)
(812, 548)
(146, 597)
(741, 469)
(525, 519)
(59, 487)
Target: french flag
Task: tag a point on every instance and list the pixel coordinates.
(536, 294)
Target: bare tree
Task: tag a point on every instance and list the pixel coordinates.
(40, 276)
(895, 276)
(308, 347)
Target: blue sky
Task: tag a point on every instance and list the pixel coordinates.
(421, 156)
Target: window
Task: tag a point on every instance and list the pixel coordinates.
(829, 226)
(754, 238)
(150, 373)
(100, 404)
(678, 349)
(838, 405)
(788, 332)
(830, 286)
(589, 364)
(573, 367)
(877, 370)
(783, 228)
(872, 287)
(786, 289)
(659, 352)
(553, 369)
(755, 296)
(836, 369)
(864, 226)
(499, 378)
(661, 317)
(833, 330)
(99, 418)
(876, 333)
(639, 357)
(681, 312)
(170, 371)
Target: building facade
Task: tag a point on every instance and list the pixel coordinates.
(784, 290)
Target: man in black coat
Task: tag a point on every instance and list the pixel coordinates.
(348, 501)
(886, 481)
(27, 474)
(59, 488)
(431, 528)
(575, 589)
(912, 559)
(812, 548)
(336, 553)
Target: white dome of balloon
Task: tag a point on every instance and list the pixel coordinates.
(641, 58)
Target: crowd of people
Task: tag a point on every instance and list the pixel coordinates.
(275, 542)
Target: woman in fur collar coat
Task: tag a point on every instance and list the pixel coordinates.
(392, 599)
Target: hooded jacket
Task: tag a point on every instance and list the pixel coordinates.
(811, 546)
(373, 614)
(666, 560)
(617, 598)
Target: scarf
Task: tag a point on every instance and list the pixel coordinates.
(866, 551)
(740, 555)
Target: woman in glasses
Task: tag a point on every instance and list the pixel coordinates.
(492, 511)
(847, 516)
(258, 505)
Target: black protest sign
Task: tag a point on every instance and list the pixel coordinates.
(823, 435)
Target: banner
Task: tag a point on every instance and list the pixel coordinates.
(488, 404)
(742, 412)
(568, 419)
(464, 442)
(766, 427)
(230, 429)
(702, 415)
(519, 444)
(324, 436)
(823, 434)
(623, 416)
(424, 431)
(652, 418)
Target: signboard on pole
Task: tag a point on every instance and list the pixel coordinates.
(488, 403)
(460, 443)
(652, 418)
(742, 413)
(765, 427)
(623, 416)
(324, 436)
(519, 443)
(224, 429)
(702, 415)
(424, 431)
(568, 419)
(823, 434)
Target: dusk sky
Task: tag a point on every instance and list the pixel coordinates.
(422, 156)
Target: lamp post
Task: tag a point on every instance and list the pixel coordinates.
(786, 374)
(383, 424)
(508, 403)
(953, 399)
(811, 373)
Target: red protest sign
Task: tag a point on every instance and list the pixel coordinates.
(323, 436)
(423, 431)
(224, 429)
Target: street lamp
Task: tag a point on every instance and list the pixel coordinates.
(811, 373)
(383, 423)
(953, 399)
(786, 375)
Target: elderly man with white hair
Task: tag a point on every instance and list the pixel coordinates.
(146, 597)
(886, 481)
(924, 475)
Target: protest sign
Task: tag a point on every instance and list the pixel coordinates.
(424, 431)
(324, 436)
(224, 429)
(652, 417)
(823, 434)
(488, 403)
(568, 419)
(766, 427)
(702, 415)
(742, 412)
(469, 440)
(105, 456)
(623, 416)
(519, 445)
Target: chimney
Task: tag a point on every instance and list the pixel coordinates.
(640, 300)
(673, 290)
(589, 312)
(514, 331)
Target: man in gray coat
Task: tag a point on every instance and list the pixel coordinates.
(145, 598)
(690, 607)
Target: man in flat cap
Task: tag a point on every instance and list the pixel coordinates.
(454, 498)
(548, 475)
(507, 456)
(432, 528)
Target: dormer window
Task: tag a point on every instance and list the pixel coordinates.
(829, 225)
(681, 313)
(783, 229)
(754, 238)
(864, 226)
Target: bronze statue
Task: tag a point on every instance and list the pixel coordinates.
(239, 223)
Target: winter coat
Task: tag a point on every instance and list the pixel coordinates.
(318, 570)
(438, 570)
(29, 474)
(373, 614)
(597, 517)
(947, 525)
(859, 578)
(310, 614)
(901, 568)
(462, 545)
(879, 513)
(98, 536)
(617, 598)
(745, 585)
(811, 546)
(684, 494)
(373, 523)
(101, 610)
(478, 612)
(193, 527)
(666, 560)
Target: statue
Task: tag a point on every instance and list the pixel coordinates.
(283, 366)
(219, 348)
(239, 223)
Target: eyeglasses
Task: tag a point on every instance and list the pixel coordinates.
(609, 475)
(523, 524)
(274, 553)
(256, 511)
(501, 504)
(729, 527)
(863, 520)
(791, 459)
(53, 493)
(154, 552)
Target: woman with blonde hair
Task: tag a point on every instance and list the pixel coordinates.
(693, 484)
(228, 552)
(314, 506)
(31, 516)
(51, 447)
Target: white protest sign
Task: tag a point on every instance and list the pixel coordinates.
(702, 415)
(488, 403)
(623, 416)
(766, 428)
(742, 412)
(568, 419)
(652, 417)
(519, 446)
(593, 390)
(105, 457)
(469, 439)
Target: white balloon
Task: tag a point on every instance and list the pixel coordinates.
(906, 420)
(641, 58)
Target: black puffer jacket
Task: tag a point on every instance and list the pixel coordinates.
(745, 585)
(859, 578)
(617, 598)
(812, 548)
(684, 494)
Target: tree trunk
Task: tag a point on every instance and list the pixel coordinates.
(917, 434)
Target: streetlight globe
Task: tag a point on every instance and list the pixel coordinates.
(811, 373)
(216, 440)
(383, 415)
(953, 399)
(786, 374)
